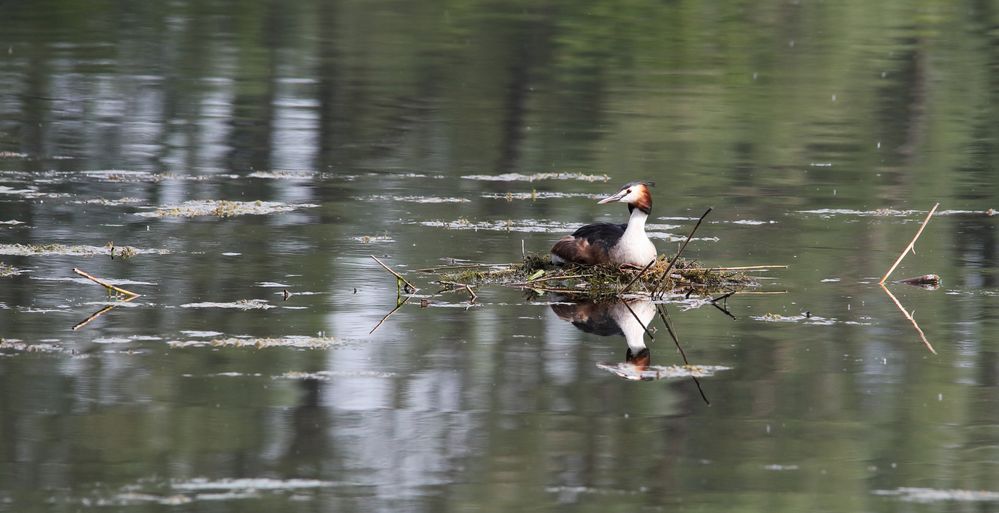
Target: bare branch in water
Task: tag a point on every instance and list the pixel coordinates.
(106, 284)
(910, 246)
(659, 288)
(410, 288)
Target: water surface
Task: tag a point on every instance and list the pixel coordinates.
(244, 149)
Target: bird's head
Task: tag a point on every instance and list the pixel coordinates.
(635, 194)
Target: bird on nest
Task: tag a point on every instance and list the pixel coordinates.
(610, 243)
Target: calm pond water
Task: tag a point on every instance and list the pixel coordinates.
(421, 132)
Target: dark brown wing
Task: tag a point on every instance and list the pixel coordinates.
(590, 244)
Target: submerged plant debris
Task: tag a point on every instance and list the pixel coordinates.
(540, 274)
(224, 208)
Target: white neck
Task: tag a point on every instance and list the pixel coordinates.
(636, 222)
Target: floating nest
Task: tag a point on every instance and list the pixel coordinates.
(538, 273)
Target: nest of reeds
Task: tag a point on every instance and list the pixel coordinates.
(596, 281)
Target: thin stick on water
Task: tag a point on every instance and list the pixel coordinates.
(662, 281)
(105, 284)
(910, 317)
(910, 246)
(411, 288)
(664, 315)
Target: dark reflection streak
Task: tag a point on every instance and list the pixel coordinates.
(908, 316)
(309, 423)
(664, 315)
(329, 90)
(514, 120)
(35, 111)
(101, 312)
(397, 307)
(251, 137)
(724, 310)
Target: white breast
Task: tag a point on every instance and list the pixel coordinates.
(634, 247)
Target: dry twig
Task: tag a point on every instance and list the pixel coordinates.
(105, 284)
(658, 289)
(910, 246)
(410, 287)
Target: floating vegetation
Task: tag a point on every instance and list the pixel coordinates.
(8, 270)
(224, 208)
(119, 175)
(927, 495)
(518, 177)
(109, 202)
(806, 318)
(31, 193)
(73, 250)
(535, 195)
(597, 281)
(415, 199)
(17, 346)
(633, 372)
(327, 375)
(890, 212)
(201, 484)
(369, 239)
(752, 222)
(284, 175)
(242, 304)
(260, 343)
(521, 225)
(178, 493)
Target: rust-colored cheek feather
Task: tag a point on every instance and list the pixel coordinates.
(644, 201)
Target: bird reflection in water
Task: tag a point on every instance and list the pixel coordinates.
(629, 319)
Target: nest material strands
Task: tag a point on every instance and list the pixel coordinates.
(539, 273)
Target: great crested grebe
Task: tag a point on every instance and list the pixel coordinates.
(609, 243)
